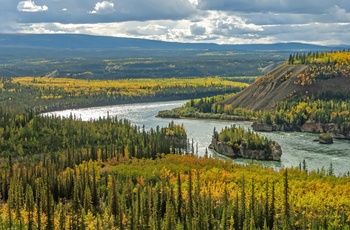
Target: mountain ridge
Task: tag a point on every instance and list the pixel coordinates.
(82, 41)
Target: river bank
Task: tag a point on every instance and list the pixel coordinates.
(296, 146)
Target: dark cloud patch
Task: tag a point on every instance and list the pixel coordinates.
(155, 9)
(275, 6)
(333, 15)
(325, 34)
(197, 29)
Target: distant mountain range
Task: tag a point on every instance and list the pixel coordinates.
(89, 42)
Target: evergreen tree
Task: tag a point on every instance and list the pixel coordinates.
(29, 204)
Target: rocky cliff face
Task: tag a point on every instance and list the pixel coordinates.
(223, 148)
(336, 132)
(270, 128)
(312, 127)
(309, 126)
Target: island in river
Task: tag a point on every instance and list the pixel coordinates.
(237, 142)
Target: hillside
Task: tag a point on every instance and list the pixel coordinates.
(266, 91)
(308, 93)
(280, 84)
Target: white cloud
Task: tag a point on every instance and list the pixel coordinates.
(104, 7)
(180, 31)
(194, 2)
(221, 21)
(30, 6)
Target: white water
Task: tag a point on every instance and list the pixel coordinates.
(296, 146)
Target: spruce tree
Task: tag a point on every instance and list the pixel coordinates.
(29, 204)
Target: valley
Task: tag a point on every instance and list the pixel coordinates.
(109, 163)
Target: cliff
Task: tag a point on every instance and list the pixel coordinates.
(274, 152)
(309, 126)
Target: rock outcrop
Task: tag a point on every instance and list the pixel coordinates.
(223, 148)
(337, 132)
(261, 127)
(309, 126)
(312, 127)
(325, 138)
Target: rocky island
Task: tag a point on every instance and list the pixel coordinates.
(236, 142)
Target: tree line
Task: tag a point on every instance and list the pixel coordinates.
(44, 94)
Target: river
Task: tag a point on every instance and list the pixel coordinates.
(296, 146)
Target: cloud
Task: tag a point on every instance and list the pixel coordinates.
(97, 11)
(155, 9)
(180, 31)
(30, 6)
(194, 2)
(197, 29)
(339, 14)
(104, 7)
(219, 21)
(317, 33)
(275, 6)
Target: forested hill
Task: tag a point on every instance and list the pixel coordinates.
(302, 75)
(310, 92)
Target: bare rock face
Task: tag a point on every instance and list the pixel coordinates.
(312, 127)
(222, 148)
(262, 127)
(309, 126)
(337, 132)
(271, 128)
(276, 151)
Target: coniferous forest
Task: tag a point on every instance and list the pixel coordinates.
(65, 173)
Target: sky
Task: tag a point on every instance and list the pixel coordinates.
(323, 22)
